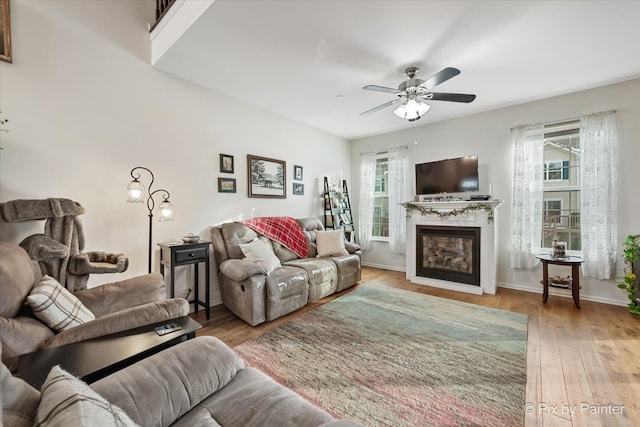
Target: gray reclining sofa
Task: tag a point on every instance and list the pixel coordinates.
(256, 297)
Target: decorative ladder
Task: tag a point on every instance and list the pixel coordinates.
(337, 210)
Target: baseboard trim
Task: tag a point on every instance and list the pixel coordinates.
(565, 294)
(383, 267)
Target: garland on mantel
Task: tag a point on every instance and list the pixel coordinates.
(426, 210)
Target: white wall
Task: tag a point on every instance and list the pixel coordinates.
(488, 135)
(85, 107)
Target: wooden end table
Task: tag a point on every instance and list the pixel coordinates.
(175, 254)
(571, 261)
(97, 358)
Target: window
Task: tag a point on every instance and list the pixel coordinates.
(561, 197)
(557, 170)
(380, 228)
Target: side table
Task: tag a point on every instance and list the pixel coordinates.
(175, 254)
(571, 261)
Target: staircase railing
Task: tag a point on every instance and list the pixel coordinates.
(162, 6)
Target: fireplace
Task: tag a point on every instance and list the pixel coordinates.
(448, 253)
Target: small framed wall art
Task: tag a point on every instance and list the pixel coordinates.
(226, 185)
(226, 163)
(5, 32)
(267, 177)
(298, 189)
(297, 173)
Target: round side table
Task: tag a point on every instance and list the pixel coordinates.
(571, 261)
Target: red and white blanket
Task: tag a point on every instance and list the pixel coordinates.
(283, 229)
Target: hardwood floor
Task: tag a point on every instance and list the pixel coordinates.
(583, 366)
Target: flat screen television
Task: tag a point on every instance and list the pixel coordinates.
(447, 176)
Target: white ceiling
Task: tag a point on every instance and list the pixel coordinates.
(295, 57)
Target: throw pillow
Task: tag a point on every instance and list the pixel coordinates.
(55, 306)
(260, 251)
(330, 243)
(68, 401)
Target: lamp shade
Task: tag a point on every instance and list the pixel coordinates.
(412, 110)
(135, 192)
(166, 211)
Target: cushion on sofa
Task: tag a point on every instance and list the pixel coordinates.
(287, 290)
(330, 243)
(141, 315)
(172, 382)
(260, 252)
(21, 335)
(235, 234)
(19, 400)
(348, 271)
(17, 278)
(254, 399)
(56, 306)
(322, 274)
(123, 294)
(283, 253)
(66, 401)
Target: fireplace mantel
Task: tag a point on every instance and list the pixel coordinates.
(476, 218)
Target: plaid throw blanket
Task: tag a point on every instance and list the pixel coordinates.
(283, 229)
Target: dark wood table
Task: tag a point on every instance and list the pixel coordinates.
(99, 357)
(175, 254)
(571, 261)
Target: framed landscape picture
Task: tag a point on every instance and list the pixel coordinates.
(267, 177)
(226, 185)
(226, 163)
(5, 32)
(297, 173)
(298, 189)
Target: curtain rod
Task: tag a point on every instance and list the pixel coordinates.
(385, 151)
(563, 120)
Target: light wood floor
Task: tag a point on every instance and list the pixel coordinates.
(583, 366)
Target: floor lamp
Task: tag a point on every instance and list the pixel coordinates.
(136, 194)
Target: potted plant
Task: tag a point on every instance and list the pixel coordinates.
(631, 281)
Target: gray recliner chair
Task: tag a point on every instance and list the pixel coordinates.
(118, 306)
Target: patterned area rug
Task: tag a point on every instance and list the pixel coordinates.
(385, 356)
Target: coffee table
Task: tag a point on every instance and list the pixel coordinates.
(99, 357)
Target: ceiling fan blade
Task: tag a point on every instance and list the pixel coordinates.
(452, 97)
(440, 77)
(380, 107)
(381, 89)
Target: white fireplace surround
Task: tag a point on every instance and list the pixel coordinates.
(488, 242)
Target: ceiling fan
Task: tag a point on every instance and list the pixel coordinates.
(413, 92)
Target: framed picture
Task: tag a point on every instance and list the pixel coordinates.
(297, 173)
(298, 189)
(267, 177)
(226, 185)
(344, 217)
(5, 32)
(226, 163)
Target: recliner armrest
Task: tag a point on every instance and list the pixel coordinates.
(239, 269)
(351, 247)
(117, 296)
(141, 315)
(191, 371)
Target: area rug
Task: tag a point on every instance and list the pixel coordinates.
(385, 356)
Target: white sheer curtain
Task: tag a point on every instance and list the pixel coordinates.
(527, 195)
(598, 138)
(399, 191)
(365, 207)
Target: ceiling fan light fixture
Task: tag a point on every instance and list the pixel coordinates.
(412, 110)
